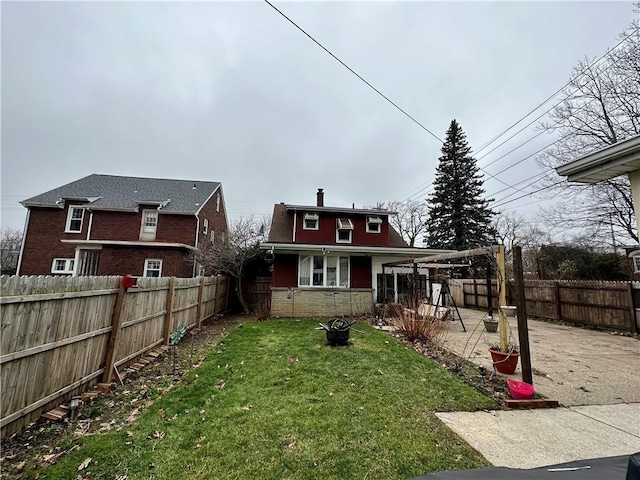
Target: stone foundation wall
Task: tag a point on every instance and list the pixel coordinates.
(320, 302)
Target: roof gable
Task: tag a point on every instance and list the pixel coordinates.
(129, 193)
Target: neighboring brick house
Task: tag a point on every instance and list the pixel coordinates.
(328, 261)
(113, 225)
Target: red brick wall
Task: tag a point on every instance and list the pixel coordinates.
(285, 270)
(326, 233)
(217, 219)
(130, 260)
(42, 240)
(126, 226)
(46, 229)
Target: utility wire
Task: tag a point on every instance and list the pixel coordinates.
(356, 74)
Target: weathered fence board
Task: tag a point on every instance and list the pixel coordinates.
(56, 331)
(608, 305)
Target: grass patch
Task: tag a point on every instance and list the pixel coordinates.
(274, 401)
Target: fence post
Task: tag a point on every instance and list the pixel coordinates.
(558, 305)
(633, 326)
(475, 294)
(116, 321)
(199, 307)
(168, 318)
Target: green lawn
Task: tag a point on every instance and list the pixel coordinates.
(274, 401)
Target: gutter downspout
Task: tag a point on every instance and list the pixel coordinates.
(24, 239)
(295, 221)
(90, 225)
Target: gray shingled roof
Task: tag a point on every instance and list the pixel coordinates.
(115, 192)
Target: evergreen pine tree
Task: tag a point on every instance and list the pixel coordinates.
(459, 218)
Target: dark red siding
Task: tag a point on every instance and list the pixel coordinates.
(327, 226)
(361, 272)
(285, 270)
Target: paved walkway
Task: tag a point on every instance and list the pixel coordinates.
(594, 375)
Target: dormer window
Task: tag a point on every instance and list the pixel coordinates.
(149, 225)
(374, 224)
(310, 221)
(344, 232)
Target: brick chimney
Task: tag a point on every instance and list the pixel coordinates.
(320, 196)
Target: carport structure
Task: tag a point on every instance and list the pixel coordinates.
(495, 256)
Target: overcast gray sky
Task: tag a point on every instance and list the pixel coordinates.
(232, 92)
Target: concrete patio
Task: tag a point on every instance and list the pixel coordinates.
(593, 374)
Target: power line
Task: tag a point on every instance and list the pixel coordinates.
(355, 73)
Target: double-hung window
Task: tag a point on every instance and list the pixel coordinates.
(636, 263)
(323, 271)
(205, 226)
(62, 265)
(310, 221)
(374, 224)
(344, 232)
(152, 267)
(74, 220)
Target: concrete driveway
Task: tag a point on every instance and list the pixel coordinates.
(573, 365)
(594, 375)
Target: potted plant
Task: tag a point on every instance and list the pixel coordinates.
(505, 360)
(337, 331)
(506, 354)
(490, 323)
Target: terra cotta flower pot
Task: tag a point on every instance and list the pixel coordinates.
(504, 362)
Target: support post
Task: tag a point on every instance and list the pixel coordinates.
(116, 322)
(557, 298)
(489, 292)
(415, 288)
(633, 326)
(168, 319)
(523, 328)
(199, 307)
(502, 290)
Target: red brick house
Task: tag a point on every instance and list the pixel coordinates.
(328, 261)
(113, 225)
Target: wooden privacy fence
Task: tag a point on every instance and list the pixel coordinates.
(62, 335)
(610, 305)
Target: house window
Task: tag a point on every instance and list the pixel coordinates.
(636, 263)
(62, 265)
(205, 228)
(74, 220)
(323, 271)
(152, 267)
(149, 225)
(310, 221)
(218, 203)
(374, 224)
(344, 231)
(212, 235)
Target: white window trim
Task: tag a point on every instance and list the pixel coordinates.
(148, 234)
(636, 263)
(324, 272)
(374, 221)
(218, 203)
(310, 216)
(69, 264)
(205, 226)
(146, 266)
(344, 224)
(67, 228)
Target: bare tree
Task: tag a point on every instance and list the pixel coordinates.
(411, 220)
(599, 107)
(10, 242)
(231, 255)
